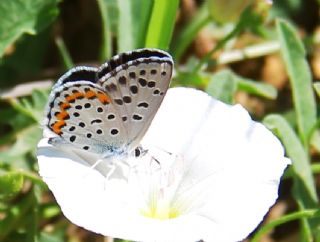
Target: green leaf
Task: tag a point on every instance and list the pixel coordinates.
(17, 215)
(162, 23)
(257, 88)
(317, 88)
(50, 210)
(299, 72)
(24, 16)
(27, 59)
(191, 29)
(244, 22)
(142, 13)
(304, 189)
(199, 80)
(64, 53)
(133, 17)
(296, 152)
(126, 22)
(48, 237)
(225, 83)
(10, 183)
(222, 86)
(32, 107)
(26, 141)
(284, 219)
(106, 42)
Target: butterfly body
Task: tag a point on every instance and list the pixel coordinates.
(108, 110)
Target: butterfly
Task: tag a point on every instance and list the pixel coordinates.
(108, 110)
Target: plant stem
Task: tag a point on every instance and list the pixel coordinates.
(65, 56)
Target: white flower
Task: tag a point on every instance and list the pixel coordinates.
(210, 173)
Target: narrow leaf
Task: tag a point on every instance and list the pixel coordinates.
(133, 19)
(296, 152)
(298, 70)
(126, 21)
(187, 35)
(317, 88)
(257, 88)
(106, 45)
(304, 189)
(162, 23)
(65, 55)
(285, 219)
(142, 10)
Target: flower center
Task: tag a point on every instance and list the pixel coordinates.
(158, 184)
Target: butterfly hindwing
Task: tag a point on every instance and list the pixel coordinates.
(82, 114)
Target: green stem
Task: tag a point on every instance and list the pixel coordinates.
(34, 178)
(106, 47)
(248, 52)
(186, 36)
(65, 56)
(161, 23)
(238, 28)
(310, 213)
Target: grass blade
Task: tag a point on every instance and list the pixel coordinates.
(295, 150)
(317, 88)
(106, 45)
(187, 35)
(125, 36)
(161, 23)
(64, 53)
(304, 189)
(133, 18)
(285, 219)
(142, 11)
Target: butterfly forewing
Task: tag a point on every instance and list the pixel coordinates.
(137, 89)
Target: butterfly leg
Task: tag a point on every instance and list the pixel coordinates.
(109, 174)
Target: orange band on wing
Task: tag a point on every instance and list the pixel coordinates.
(74, 96)
(90, 94)
(57, 126)
(103, 98)
(63, 114)
(64, 106)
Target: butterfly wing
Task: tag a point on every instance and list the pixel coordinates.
(76, 74)
(108, 110)
(136, 83)
(81, 114)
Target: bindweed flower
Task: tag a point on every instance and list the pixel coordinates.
(210, 173)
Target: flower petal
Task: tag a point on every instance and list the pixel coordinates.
(235, 164)
(230, 174)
